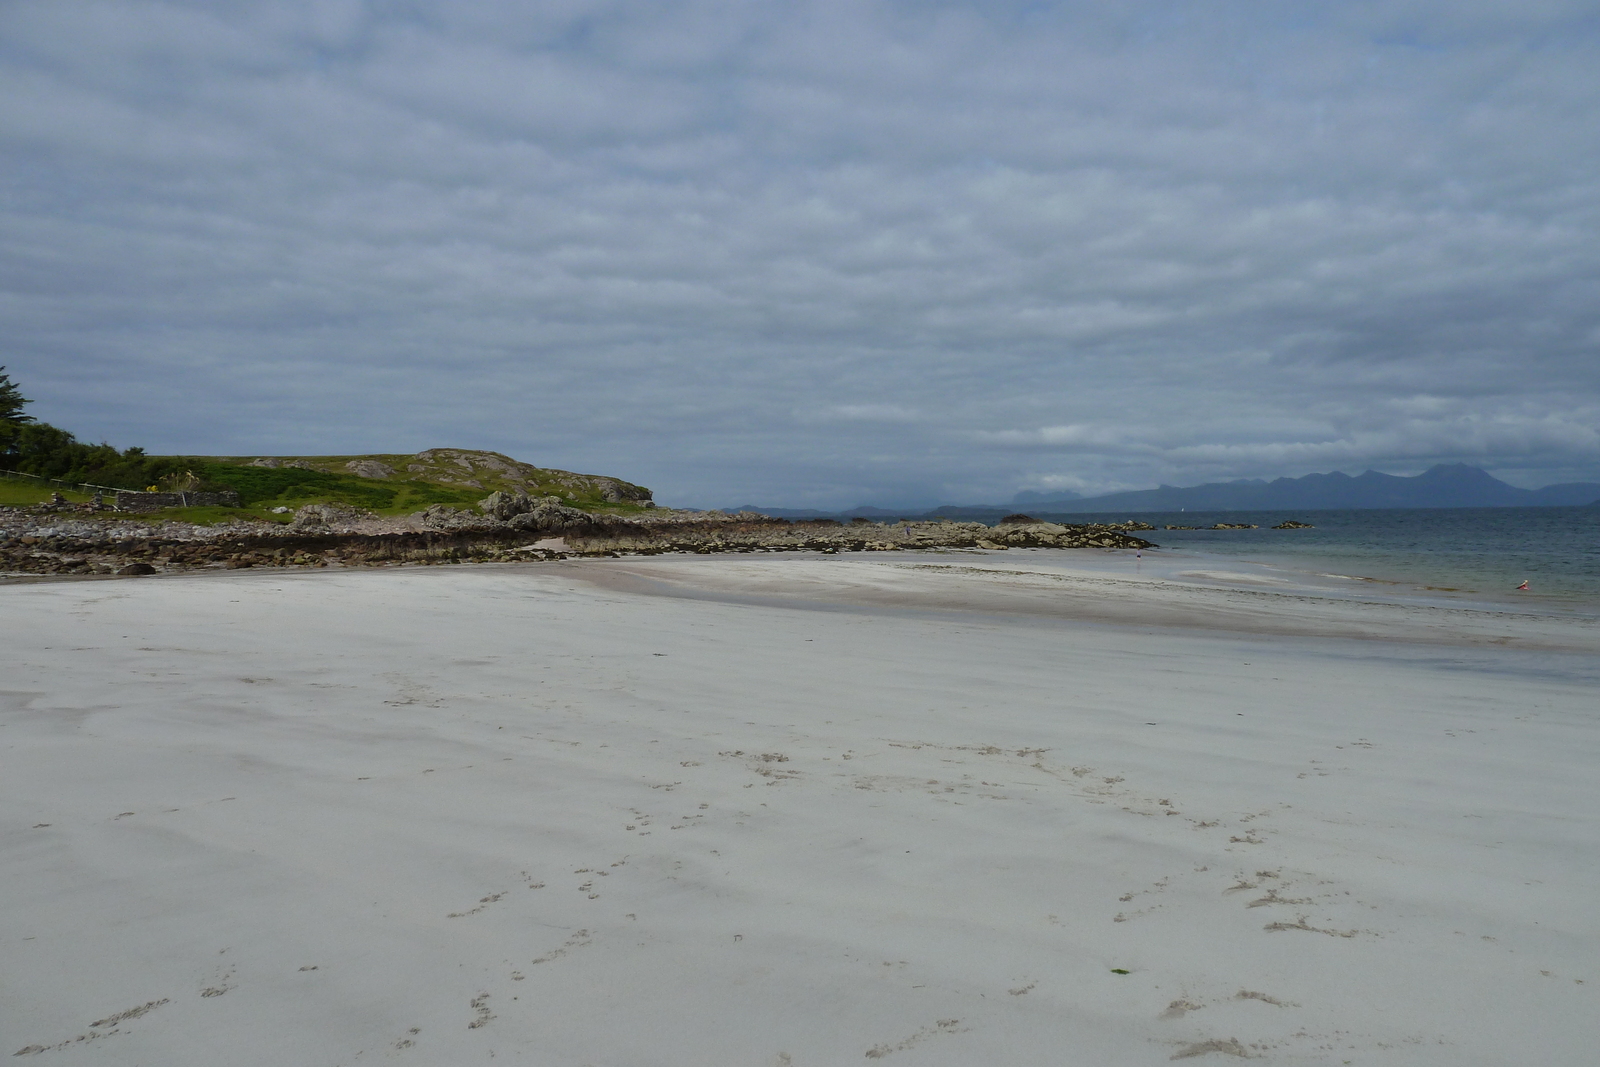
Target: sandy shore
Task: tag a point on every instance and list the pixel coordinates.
(1000, 809)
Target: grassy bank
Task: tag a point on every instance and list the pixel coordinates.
(20, 492)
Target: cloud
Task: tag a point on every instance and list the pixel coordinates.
(1087, 438)
(866, 413)
(812, 253)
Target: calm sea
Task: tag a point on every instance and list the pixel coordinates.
(1469, 551)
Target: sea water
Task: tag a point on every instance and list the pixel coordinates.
(1467, 552)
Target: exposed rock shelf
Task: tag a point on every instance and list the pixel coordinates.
(512, 526)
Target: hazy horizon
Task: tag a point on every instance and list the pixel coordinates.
(1010, 501)
(814, 255)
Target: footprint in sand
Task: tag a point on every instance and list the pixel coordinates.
(131, 1013)
(483, 902)
(98, 1029)
(1230, 1047)
(221, 984)
(1181, 1007)
(943, 1026)
(1272, 897)
(577, 940)
(1301, 924)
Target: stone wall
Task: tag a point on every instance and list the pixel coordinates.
(128, 501)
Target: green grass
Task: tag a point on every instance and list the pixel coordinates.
(261, 489)
(17, 492)
(417, 481)
(269, 487)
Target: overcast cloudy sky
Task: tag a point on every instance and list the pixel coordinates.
(814, 253)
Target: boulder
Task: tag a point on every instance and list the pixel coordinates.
(137, 568)
(445, 517)
(549, 515)
(508, 505)
(613, 491)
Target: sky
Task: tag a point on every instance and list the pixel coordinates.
(813, 254)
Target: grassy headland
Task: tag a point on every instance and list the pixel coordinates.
(393, 484)
(386, 484)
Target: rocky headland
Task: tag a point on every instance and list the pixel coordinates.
(507, 525)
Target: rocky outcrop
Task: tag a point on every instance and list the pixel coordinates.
(325, 516)
(538, 514)
(1290, 524)
(512, 527)
(553, 517)
(1052, 535)
(508, 505)
(466, 467)
(758, 533)
(369, 468)
(445, 517)
(273, 463)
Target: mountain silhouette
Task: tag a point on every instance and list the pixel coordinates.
(1448, 485)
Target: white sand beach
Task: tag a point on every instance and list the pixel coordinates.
(957, 809)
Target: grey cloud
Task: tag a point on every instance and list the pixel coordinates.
(860, 413)
(813, 253)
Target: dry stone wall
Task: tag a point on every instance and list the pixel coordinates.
(128, 501)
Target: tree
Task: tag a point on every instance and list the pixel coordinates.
(12, 401)
(12, 420)
(29, 446)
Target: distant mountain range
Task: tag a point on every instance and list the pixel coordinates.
(1448, 485)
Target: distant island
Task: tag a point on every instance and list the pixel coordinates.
(1447, 485)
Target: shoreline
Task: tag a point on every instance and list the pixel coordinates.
(1043, 586)
(1477, 566)
(1109, 587)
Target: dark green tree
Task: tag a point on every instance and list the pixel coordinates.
(33, 447)
(12, 420)
(12, 401)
